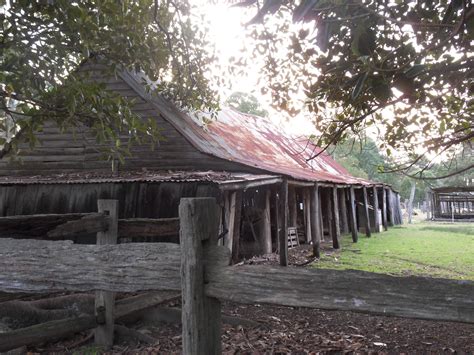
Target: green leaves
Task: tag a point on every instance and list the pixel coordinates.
(363, 41)
(359, 85)
(415, 70)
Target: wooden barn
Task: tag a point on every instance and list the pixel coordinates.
(268, 190)
(451, 203)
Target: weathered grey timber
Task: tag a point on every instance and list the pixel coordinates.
(307, 214)
(52, 225)
(352, 215)
(283, 216)
(412, 297)
(59, 328)
(375, 203)
(384, 209)
(235, 215)
(105, 300)
(391, 215)
(201, 315)
(315, 220)
(366, 213)
(343, 211)
(40, 266)
(336, 237)
(147, 227)
(265, 230)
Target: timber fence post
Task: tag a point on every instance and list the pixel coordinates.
(105, 300)
(201, 315)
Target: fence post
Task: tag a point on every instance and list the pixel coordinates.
(105, 300)
(201, 315)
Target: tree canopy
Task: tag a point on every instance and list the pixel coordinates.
(406, 67)
(246, 103)
(43, 42)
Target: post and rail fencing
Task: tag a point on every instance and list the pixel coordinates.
(200, 270)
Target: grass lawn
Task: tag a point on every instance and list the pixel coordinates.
(425, 248)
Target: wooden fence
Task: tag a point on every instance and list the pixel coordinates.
(200, 270)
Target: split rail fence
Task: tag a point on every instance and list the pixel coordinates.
(198, 269)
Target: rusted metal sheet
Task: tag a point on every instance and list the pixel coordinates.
(259, 142)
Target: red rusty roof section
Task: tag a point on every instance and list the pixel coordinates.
(260, 143)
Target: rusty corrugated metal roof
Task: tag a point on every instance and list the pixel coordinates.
(254, 141)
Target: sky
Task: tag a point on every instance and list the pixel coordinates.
(227, 32)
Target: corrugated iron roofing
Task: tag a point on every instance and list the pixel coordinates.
(254, 141)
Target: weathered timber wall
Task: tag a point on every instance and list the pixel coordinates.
(136, 199)
(78, 150)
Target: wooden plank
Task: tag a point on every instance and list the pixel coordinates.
(292, 207)
(375, 203)
(336, 237)
(236, 212)
(39, 225)
(411, 297)
(366, 214)
(391, 215)
(307, 214)
(343, 211)
(201, 315)
(384, 209)
(39, 266)
(148, 227)
(283, 214)
(352, 215)
(105, 300)
(266, 231)
(315, 220)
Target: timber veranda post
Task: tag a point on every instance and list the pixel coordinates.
(201, 315)
(105, 300)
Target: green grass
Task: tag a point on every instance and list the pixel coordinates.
(423, 249)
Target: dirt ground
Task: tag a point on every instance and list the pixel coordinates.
(289, 330)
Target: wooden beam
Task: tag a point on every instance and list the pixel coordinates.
(336, 237)
(391, 216)
(201, 315)
(38, 226)
(307, 214)
(366, 213)
(244, 185)
(105, 300)
(384, 209)
(147, 227)
(236, 212)
(353, 215)
(283, 214)
(293, 207)
(343, 211)
(411, 297)
(375, 202)
(315, 220)
(266, 230)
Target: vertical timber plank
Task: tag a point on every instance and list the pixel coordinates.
(283, 213)
(337, 226)
(366, 213)
(391, 216)
(384, 209)
(229, 206)
(343, 209)
(307, 213)
(201, 315)
(292, 207)
(267, 228)
(105, 300)
(376, 209)
(352, 215)
(236, 227)
(315, 221)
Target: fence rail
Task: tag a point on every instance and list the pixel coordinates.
(200, 269)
